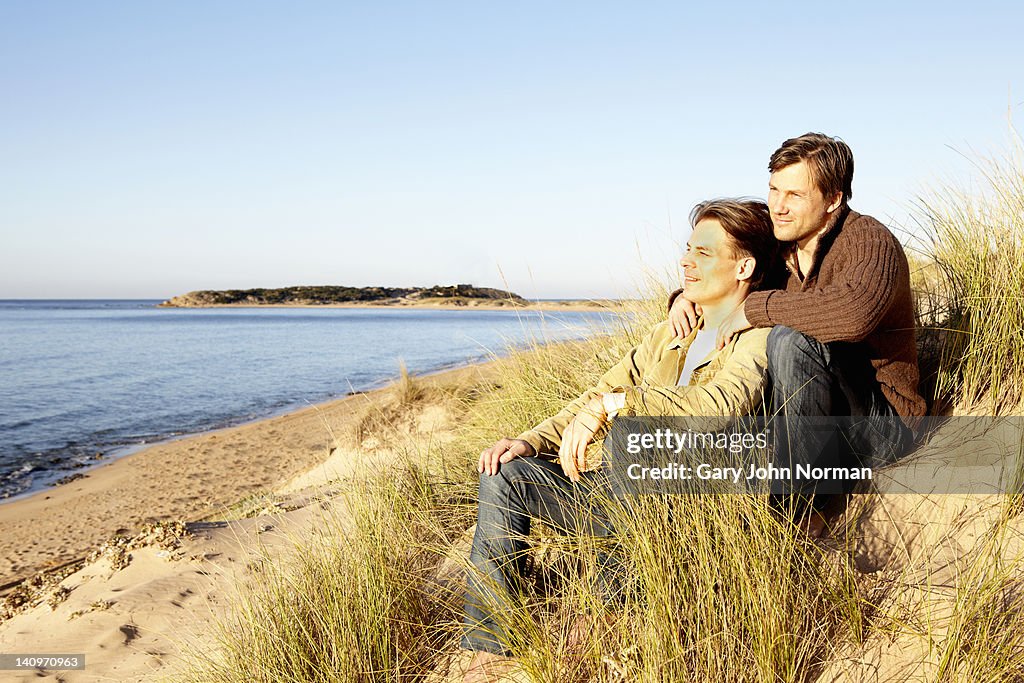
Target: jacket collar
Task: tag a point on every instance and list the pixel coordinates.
(684, 343)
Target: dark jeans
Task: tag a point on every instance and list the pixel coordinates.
(812, 381)
(522, 490)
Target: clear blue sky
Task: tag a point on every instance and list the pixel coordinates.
(152, 148)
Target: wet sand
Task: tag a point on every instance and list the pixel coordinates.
(183, 479)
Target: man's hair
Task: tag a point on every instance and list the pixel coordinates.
(749, 226)
(830, 161)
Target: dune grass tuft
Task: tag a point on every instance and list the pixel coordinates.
(977, 251)
(356, 602)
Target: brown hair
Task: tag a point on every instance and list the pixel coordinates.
(749, 227)
(830, 161)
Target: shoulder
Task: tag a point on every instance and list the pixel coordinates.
(754, 335)
(862, 236)
(656, 338)
(753, 339)
(747, 345)
(659, 335)
(859, 227)
(744, 359)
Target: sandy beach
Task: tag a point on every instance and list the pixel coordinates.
(140, 608)
(184, 479)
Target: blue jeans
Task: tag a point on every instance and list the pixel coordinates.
(522, 490)
(812, 381)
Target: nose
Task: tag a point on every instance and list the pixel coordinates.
(779, 206)
(687, 262)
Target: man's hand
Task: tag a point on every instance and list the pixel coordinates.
(503, 450)
(578, 434)
(731, 326)
(683, 316)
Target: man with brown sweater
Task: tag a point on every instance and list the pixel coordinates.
(842, 339)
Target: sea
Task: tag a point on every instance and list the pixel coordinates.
(84, 381)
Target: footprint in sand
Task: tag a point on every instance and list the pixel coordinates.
(130, 633)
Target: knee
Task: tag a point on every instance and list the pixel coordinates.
(492, 487)
(790, 352)
(509, 476)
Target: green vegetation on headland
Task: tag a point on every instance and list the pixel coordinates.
(329, 294)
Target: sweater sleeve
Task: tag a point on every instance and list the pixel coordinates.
(847, 309)
(672, 298)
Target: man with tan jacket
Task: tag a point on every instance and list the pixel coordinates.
(549, 473)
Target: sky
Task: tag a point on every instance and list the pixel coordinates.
(149, 149)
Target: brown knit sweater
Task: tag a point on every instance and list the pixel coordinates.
(857, 290)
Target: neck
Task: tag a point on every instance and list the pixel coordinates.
(716, 312)
(806, 246)
(809, 244)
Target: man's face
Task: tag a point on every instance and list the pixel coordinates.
(709, 265)
(798, 208)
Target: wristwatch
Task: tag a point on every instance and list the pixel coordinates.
(614, 401)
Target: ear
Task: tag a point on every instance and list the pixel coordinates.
(745, 268)
(836, 202)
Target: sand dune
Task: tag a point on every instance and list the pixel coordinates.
(920, 553)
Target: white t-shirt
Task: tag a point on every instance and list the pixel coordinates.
(703, 345)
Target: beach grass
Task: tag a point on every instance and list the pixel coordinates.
(975, 291)
(719, 588)
(358, 599)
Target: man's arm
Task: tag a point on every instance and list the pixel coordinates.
(847, 309)
(546, 437)
(673, 295)
(682, 314)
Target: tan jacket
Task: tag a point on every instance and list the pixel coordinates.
(729, 382)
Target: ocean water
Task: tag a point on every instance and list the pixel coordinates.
(82, 381)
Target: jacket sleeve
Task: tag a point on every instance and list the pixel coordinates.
(847, 309)
(546, 437)
(737, 388)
